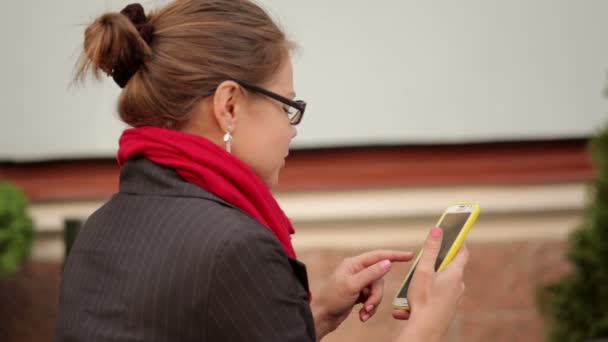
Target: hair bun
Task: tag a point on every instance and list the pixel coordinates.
(136, 14)
(124, 70)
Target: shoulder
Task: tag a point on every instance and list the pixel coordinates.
(193, 228)
(231, 226)
(204, 213)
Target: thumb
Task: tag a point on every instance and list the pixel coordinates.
(370, 274)
(430, 250)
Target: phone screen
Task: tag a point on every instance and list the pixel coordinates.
(451, 224)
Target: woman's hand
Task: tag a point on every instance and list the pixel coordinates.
(357, 280)
(433, 296)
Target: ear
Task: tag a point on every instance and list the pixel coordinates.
(225, 103)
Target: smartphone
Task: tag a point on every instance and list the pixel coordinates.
(455, 222)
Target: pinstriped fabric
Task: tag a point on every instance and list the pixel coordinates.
(164, 260)
(254, 280)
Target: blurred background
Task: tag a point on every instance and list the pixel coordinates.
(412, 106)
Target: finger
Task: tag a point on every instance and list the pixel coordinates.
(370, 304)
(369, 275)
(373, 257)
(364, 294)
(456, 267)
(461, 297)
(401, 314)
(370, 314)
(462, 257)
(431, 248)
(375, 297)
(363, 315)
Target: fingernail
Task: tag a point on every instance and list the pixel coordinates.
(369, 308)
(384, 264)
(365, 317)
(436, 232)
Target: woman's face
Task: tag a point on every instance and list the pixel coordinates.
(262, 134)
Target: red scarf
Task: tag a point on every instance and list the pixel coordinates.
(202, 162)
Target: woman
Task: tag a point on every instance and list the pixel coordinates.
(194, 247)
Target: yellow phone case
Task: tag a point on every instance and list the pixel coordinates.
(451, 252)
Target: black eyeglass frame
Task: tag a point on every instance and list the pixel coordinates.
(297, 104)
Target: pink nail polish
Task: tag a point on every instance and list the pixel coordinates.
(369, 308)
(385, 264)
(436, 232)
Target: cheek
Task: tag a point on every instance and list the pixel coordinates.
(275, 143)
(274, 133)
(263, 146)
(275, 148)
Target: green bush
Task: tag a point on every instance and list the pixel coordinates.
(576, 307)
(16, 229)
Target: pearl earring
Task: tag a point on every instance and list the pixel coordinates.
(228, 139)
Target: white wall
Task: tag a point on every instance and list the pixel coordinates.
(389, 71)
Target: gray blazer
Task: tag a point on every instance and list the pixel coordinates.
(164, 260)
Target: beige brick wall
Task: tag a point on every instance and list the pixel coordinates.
(499, 304)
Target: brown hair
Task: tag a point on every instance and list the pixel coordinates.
(196, 45)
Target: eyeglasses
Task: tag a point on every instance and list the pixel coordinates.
(294, 110)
